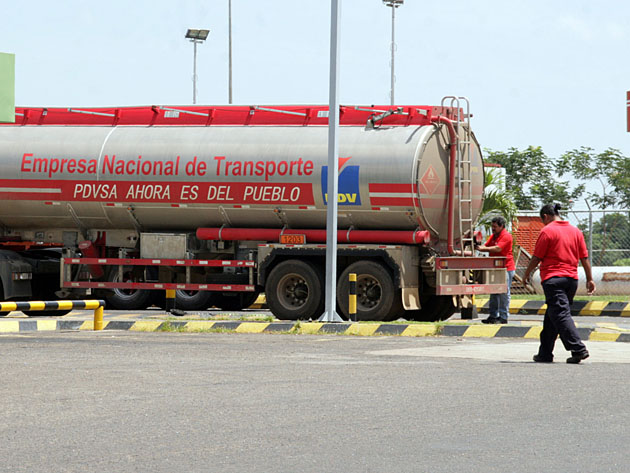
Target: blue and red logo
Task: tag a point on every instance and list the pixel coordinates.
(348, 191)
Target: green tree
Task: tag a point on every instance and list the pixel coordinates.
(611, 232)
(610, 168)
(531, 180)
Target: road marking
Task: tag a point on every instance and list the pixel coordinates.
(513, 351)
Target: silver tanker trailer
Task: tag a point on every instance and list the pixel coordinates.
(222, 203)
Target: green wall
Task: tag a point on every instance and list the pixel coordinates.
(7, 88)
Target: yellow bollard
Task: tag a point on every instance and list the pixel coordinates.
(98, 318)
(352, 297)
(170, 300)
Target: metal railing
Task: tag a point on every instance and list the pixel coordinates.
(51, 306)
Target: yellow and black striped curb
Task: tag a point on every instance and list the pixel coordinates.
(579, 308)
(611, 333)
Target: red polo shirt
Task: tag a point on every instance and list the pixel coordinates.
(504, 241)
(560, 246)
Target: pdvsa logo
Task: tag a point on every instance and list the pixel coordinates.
(348, 190)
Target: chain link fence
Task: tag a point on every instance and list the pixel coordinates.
(607, 235)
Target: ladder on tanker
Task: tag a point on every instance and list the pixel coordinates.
(461, 121)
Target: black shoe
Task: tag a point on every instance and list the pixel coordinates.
(543, 359)
(490, 320)
(575, 358)
(501, 321)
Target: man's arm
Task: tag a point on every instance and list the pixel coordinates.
(500, 246)
(533, 263)
(489, 249)
(590, 284)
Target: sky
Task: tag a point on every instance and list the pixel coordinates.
(549, 73)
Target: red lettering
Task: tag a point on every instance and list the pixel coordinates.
(129, 168)
(308, 167)
(26, 162)
(260, 168)
(107, 165)
(218, 159)
(40, 165)
(283, 168)
(270, 169)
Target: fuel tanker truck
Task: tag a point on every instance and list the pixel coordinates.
(221, 203)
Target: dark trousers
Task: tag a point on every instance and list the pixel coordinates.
(559, 294)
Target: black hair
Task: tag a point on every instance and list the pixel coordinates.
(550, 209)
(500, 221)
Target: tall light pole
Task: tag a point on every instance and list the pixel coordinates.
(393, 4)
(196, 36)
(330, 313)
(230, 50)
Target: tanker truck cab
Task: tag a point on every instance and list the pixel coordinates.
(221, 203)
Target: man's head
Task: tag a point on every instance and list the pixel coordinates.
(497, 224)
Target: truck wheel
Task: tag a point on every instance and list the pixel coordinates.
(193, 300)
(433, 309)
(127, 299)
(294, 291)
(377, 298)
(235, 300)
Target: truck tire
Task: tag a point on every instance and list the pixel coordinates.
(377, 297)
(193, 300)
(294, 291)
(235, 300)
(127, 299)
(433, 309)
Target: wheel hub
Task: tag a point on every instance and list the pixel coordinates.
(369, 292)
(293, 291)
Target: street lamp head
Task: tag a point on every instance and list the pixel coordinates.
(393, 3)
(196, 34)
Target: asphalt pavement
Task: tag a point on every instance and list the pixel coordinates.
(172, 402)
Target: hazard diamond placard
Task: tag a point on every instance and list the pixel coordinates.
(430, 180)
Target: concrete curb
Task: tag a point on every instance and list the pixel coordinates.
(517, 330)
(579, 308)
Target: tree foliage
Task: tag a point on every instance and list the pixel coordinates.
(531, 178)
(610, 234)
(610, 168)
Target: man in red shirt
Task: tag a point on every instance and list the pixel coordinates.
(500, 244)
(558, 249)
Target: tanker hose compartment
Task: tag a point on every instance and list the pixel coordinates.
(451, 180)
